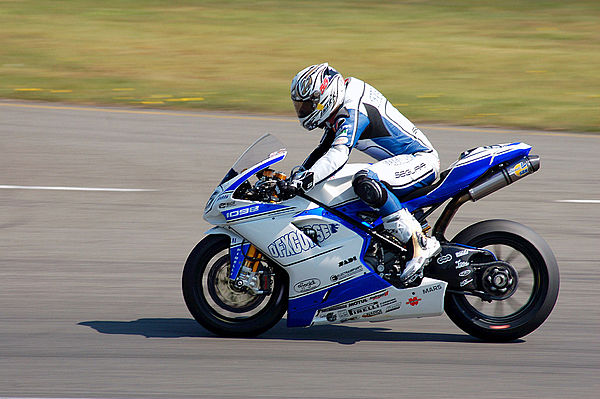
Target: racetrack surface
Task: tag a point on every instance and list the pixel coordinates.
(90, 296)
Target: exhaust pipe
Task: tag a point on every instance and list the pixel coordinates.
(505, 176)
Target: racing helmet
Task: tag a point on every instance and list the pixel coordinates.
(317, 92)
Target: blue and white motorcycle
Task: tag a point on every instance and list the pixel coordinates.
(324, 257)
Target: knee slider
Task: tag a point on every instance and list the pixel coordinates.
(370, 191)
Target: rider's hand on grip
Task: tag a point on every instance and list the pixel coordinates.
(298, 183)
(287, 189)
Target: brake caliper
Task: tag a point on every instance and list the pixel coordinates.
(253, 276)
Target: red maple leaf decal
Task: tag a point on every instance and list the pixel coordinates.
(414, 301)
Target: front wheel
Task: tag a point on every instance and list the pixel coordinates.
(221, 307)
(534, 297)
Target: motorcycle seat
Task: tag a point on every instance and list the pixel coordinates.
(419, 192)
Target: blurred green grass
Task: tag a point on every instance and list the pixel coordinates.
(530, 64)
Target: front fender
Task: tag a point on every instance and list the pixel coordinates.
(235, 237)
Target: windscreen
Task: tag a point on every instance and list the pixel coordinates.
(257, 152)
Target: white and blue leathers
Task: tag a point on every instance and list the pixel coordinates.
(368, 122)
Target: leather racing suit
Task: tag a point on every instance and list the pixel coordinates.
(368, 122)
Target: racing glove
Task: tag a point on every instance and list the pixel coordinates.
(300, 182)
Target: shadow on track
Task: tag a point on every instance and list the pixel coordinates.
(343, 334)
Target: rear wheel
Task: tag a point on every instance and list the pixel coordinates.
(525, 308)
(221, 307)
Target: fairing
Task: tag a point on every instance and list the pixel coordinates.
(329, 280)
(467, 169)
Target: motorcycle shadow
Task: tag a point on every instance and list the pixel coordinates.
(342, 334)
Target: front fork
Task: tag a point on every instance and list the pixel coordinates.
(246, 270)
(249, 274)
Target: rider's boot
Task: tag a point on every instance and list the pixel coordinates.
(403, 225)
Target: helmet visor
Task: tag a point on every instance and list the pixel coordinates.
(304, 108)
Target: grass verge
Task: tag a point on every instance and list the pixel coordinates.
(513, 63)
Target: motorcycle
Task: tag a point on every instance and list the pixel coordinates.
(324, 257)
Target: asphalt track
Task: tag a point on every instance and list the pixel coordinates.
(90, 297)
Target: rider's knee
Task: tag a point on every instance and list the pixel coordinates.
(369, 190)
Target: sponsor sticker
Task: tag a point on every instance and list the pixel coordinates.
(290, 244)
(414, 301)
(223, 196)
(379, 296)
(227, 204)
(433, 288)
(324, 230)
(236, 255)
(307, 285)
(465, 273)
(363, 309)
(444, 259)
(343, 315)
(391, 308)
(278, 152)
(389, 302)
(357, 302)
(345, 275)
(296, 242)
(462, 253)
(347, 261)
(334, 307)
(520, 169)
(354, 309)
(461, 263)
(373, 313)
(465, 282)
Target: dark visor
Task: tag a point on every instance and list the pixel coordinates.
(303, 108)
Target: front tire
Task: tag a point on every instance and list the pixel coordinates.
(217, 305)
(535, 295)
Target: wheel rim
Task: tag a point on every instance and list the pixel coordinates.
(224, 300)
(504, 313)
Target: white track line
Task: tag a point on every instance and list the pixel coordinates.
(75, 188)
(580, 201)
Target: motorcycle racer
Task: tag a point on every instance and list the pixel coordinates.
(354, 114)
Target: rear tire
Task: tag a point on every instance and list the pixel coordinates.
(216, 305)
(538, 299)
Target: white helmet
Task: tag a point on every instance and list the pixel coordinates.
(317, 92)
